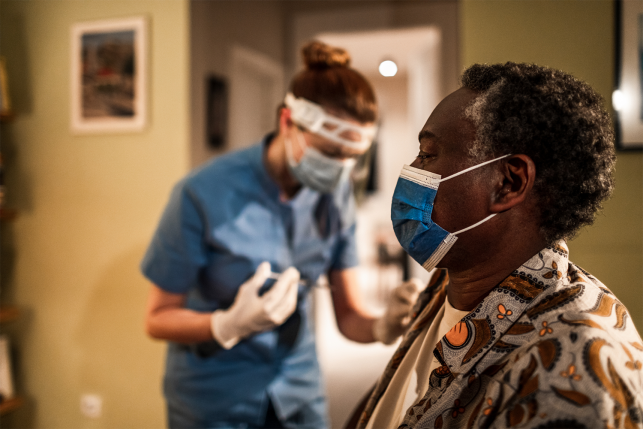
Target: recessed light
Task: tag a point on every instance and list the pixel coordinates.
(388, 68)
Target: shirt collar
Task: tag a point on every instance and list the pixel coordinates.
(466, 343)
(258, 165)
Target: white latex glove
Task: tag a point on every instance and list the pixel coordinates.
(251, 313)
(397, 316)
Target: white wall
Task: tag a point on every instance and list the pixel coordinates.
(256, 83)
(217, 26)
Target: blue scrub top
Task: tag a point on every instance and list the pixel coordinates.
(221, 222)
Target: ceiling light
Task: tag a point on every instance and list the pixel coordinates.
(388, 68)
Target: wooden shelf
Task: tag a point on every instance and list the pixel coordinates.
(7, 214)
(9, 314)
(11, 404)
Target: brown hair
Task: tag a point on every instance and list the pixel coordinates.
(329, 81)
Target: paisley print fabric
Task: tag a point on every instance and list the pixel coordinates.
(549, 347)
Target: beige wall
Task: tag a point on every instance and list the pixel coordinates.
(88, 205)
(577, 37)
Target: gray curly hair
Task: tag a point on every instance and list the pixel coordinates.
(560, 123)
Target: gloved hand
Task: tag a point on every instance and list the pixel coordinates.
(251, 313)
(397, 316)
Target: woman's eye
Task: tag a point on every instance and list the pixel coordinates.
(424, 156)
(333, 153)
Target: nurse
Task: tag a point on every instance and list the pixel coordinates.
(239, 246)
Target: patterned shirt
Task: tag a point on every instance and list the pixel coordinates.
(549, 347)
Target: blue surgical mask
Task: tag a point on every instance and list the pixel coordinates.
(316, 170)
(424, 240)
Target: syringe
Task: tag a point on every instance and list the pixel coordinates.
(303, 282)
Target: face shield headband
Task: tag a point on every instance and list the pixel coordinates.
(411, 209)
(313, 117)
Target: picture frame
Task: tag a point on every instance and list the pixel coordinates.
(216, 112)
(6, 109)
(109, 76)
(627, 98)
(6, 370)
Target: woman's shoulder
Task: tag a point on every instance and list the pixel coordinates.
(227, 169)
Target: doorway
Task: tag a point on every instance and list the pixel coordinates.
(405, 102)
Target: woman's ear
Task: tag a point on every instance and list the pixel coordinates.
(285, 121)
(517, 177)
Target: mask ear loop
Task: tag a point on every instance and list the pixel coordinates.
(447, 243)
(475, 224)
(300, 137)
(466, 170)
(289, 154)
(289, 151)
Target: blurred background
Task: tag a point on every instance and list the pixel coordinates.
(80, 208)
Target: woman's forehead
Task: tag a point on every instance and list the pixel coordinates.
(447, 126)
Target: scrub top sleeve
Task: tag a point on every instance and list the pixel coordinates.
(345, 255)
(177, 251)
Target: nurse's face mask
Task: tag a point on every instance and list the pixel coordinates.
(411, 209)
(316, 170)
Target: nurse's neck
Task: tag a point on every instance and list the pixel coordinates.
(274, 158)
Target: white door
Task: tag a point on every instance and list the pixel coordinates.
(256, 89)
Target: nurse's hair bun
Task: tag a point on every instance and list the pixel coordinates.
(328, 80)
(319, 56)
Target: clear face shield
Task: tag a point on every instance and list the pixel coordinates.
(314, 118)
(316, 169)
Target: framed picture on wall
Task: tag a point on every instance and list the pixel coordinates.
(6, 372)
(627, 99)
(108, 76)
